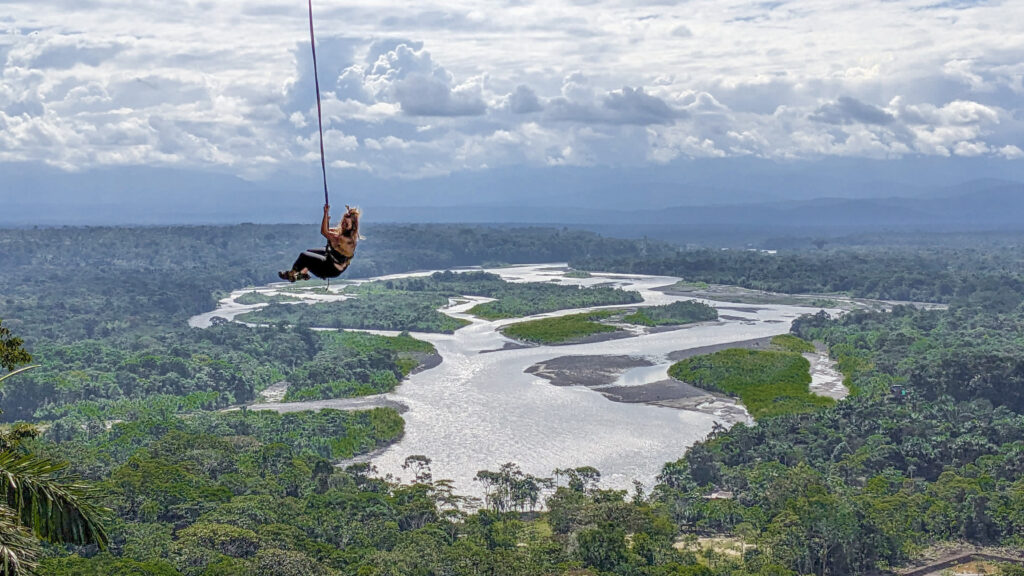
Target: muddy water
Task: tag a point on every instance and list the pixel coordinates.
(479, 410)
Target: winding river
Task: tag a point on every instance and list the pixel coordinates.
(479, 408)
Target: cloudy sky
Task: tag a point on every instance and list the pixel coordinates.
(416, 90)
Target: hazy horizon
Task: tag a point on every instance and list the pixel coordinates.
(114, 112)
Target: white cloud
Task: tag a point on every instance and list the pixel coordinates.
(962, 71)
(523, 100)
(1011, 152)
(847, 110)
(970, 149)
(459, 86)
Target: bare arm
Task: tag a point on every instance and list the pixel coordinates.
(325, 225)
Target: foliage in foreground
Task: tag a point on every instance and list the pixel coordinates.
(39, 500)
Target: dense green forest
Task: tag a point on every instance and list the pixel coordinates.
(131, 399)
(879, 477)
(922, 274)
(205, 369)
(69, 284)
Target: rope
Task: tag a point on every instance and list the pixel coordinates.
(319, 114)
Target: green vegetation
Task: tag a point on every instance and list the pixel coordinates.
(535, 298)
(560, 329)
(260, 298)
(512, 299)
(39, 501)
(128, 397)
(578, 274)
(378, 311)
(879, 477)
(574, 327)
(329, 434)
(71, 284)
(412, 303)
(684, 312)
(916, 273)
(790, 343)
(768, 382)
(236, 492)
(205, 369)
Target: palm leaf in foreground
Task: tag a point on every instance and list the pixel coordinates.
(57, 507)
(18, 371)
(19, 548)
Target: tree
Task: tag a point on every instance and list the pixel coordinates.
(603, 547)
(38, 501)
(511, 489)
(12, 353)
(583, 479)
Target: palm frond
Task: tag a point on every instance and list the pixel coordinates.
(57, 507)
(19, 548)
(18, 371)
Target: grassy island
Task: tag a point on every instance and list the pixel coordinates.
(519, 300)
(574, 327)
(768, 382)
(790, 343)
(578, 274)
(561, 329)
(685, 312)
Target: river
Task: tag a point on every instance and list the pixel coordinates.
(478, 409)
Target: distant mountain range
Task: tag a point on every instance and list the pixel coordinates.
(711, 197)
(981, 205)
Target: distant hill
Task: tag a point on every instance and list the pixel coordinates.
(993, 206)
(974, 206)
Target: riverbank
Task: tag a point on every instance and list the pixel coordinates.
(736, 294)
(603, 374)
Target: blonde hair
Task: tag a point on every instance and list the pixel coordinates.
(355, 213)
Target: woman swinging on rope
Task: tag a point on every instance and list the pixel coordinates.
(331, 261)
